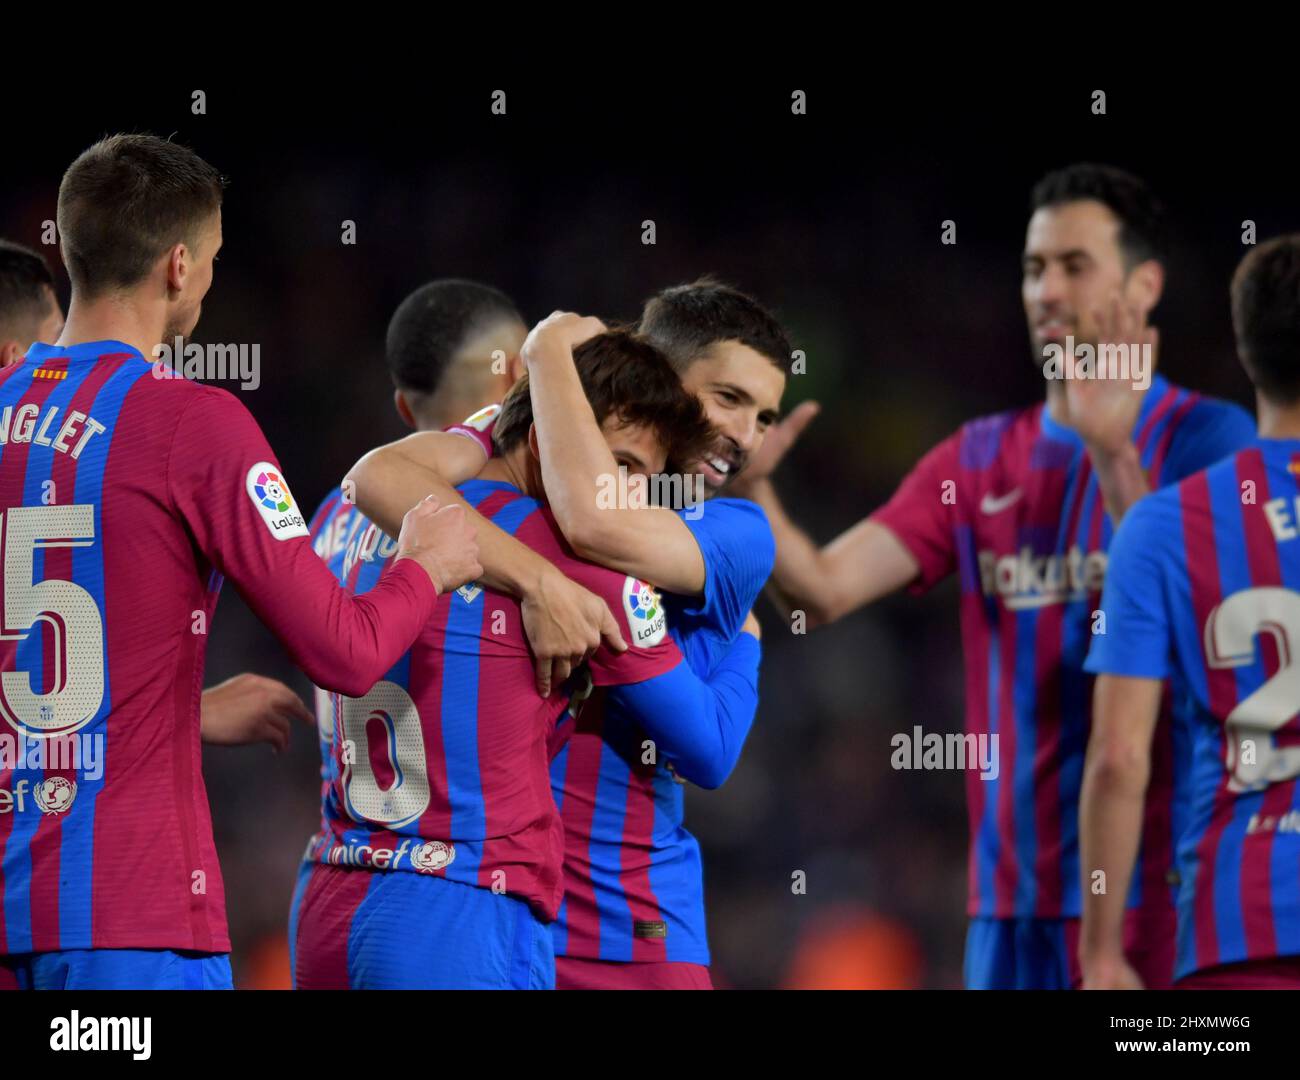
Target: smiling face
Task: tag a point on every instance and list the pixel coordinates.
(1073, 265)
(741, 392)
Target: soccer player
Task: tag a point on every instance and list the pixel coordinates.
(125, 500)
(441, 866)
(245, 708)
(451, 350)
(1204, 587)
(634, 911)
(29, 306)
(1021, 506)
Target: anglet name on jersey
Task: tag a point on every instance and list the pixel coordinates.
(20, 425)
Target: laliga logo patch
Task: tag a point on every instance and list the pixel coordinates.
(55, 794)
(645, 612)
(433, 856)
(270, 494)
(482, 420)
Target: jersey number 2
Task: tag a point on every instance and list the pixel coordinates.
(1253, 761)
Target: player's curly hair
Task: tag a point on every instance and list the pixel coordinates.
(1266, 317)
(623, 375)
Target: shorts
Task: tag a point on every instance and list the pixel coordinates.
(572, 973)
(1273, 973)
(1043, 954)
(116, 969)
(367, 930)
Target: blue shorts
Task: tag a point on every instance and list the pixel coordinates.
(368, 930)
(116, 969)
(1021, 954)
(295, 906)
(1043, 954)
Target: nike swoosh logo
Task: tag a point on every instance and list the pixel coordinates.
(995, 504)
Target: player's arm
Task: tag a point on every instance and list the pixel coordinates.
(431, 463)
(1130, 656)
(652, 543)
(249, 709)
(391, 479)
(700, 724)
(563, 621)
(908, 541)
(1120, 478)
(862, 564)
(1104, 410)
(1115, 775)
(344, 643)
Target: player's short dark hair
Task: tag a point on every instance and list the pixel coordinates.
(1266, 317)
(434, 323)
(623, 375)
(686, 321)
(124, 202)
(1142, 232)
(26, 288)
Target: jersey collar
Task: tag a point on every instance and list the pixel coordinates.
(1154, 392)
(39, 352)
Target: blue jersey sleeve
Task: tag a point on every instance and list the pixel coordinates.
(739, 552)
(1136, 637)
(1209, 433)
(699, 726)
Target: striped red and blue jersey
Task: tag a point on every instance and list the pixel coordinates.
(442, 768)
(1204, 587)
(634, 880)
(333, 527)
(125, 500)
(1010, 503)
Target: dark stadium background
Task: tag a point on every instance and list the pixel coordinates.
(834, 220)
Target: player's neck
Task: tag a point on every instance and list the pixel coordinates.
(512, 468)
(112, 318)
(1277, 421)
(1057, 406)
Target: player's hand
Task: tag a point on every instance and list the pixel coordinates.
(1104, 411)
(752, 625)
(251, 709)
(776, 443)
(565, 624)
(558, 335)
(442, 540)
(1116, 974)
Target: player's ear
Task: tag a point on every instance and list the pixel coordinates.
(403, 409)
(1146, 283)
(178, 259)
(533, 447)
(514, 369)
(10, 353)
